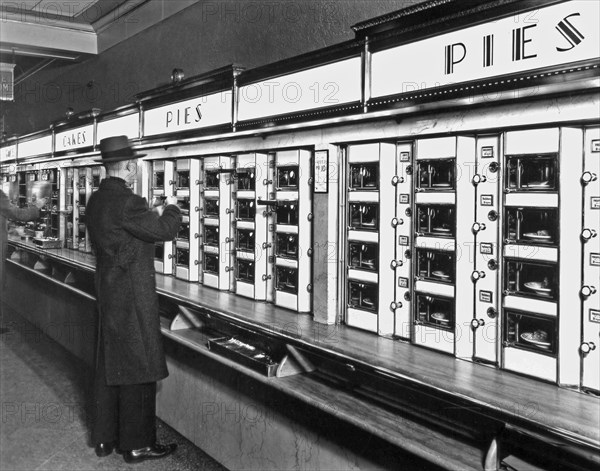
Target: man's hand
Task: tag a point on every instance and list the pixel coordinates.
(158, 210)
(41, 202)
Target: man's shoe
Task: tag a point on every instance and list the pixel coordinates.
(104, 449)
(153, 452)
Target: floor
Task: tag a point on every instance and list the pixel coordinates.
(43, 392)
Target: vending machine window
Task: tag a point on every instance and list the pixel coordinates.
(287, 213)
(531, 225)
(245, 240)
(246, 179)
(182, 179)
(531, 279)
(212, 180)
(96, 177)
(286, 245)
(184, 231)
(159, 251)
(211, 208)
(286, 279)
(287, 177)
(245, 270)
(246, 210)
(532, 172)
(530, 332)
(158, 176)
(363, 296)
(364, 256)
(211, 236)
(364, 216)
(211, 263)
(435, 311)
(436, 220)
(364, 176)
(436, 174)
(436, 265)
(182, 257)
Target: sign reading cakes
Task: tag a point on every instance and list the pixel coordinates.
(559, 34)
(74, 138)
(197, 113)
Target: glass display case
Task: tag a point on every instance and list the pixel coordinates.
(531, 279)
(211, 236)
(363, 295)
(246, 179)
(245, 240)
(286, 245)
(244, 270)
(530, 332)
(158, 176)
(212, 178)
(287, 177)
(436, 220)
(532, 172)
(531, 225)
(246, 210)
(211, 208)
(364, 256)
(435, 311)
(287, 213)
(182, 256)
(436, 265)
(364, 176)
(286, 279)
(437, 174)
(364, 216)
(211, 263)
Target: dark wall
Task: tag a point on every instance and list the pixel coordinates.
(203, 37)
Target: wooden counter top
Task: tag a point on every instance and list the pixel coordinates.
(520, 401)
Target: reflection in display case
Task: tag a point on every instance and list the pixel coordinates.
(364, 176)
(530, 278)
(436, 265)
(531, 225)
(530, 332)
(363, 296)
(286, 279)
(364, 216)
(364, 256)
(435, 311)
(532, 172)
(436, 220)
(435, 174)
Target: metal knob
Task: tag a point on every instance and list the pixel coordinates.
(494, 167)
(492, 313)
(396, 179)
(493, 264)
(196, 236)
(266, 245)
(476, 323)
(229, 239)
(395, 305)
(477, 179)
(170, 256)
(172, 182)
(266, 277)
(267, 182)
(586, 291)
(395, 264)
(493, 215)
(476, 275)
(228, 269)
(229, 211)
(588, 177)
(477, 226)
(197, 209)
(409, 170)
(196, 262)
(588, 234)
(587, 347)
(397, 222)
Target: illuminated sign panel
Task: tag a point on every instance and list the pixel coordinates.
(8, 153)
(74, 138)
(128, 125)
(558, 34)
(328, 85)
(39, 146)
(197, 113)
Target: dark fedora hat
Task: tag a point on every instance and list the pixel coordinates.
(116, 148)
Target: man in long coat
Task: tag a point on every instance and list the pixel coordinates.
(130, 357)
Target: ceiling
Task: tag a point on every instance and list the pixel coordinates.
(40, 34)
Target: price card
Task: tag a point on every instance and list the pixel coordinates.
(321, 167)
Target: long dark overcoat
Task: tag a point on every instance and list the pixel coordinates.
(123, 230)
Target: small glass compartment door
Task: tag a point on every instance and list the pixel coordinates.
(287, 178)
(363, 296)
(287, 213)
(436, 220)
(530, 332)
(244, 270)
(245, 240)
(532, 172)
(436, 174)
(364, 256)
(436, 265)
(532, 279)
(211, 208)
(182, 257)
(246, 179)
(364, 176)
(211, 236)
(364, 216)
(211, 263)
(531, 225)
(286, 279)
(286, 245)
(435, 311)
(246, 210)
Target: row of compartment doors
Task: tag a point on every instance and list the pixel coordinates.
(246, 223)
(484, 247)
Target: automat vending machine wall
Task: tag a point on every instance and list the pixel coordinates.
(289, 218)
(216, 218)
(541, 272)
(590, 297)
(253, 242)
(443, 266)
(187, 242)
